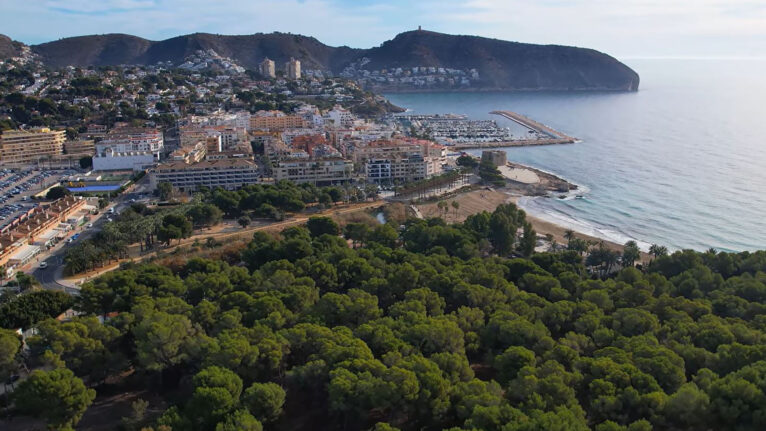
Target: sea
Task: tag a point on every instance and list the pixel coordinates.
(680, 163)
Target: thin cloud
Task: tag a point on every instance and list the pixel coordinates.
(627, 27)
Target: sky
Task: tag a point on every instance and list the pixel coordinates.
(623, 28)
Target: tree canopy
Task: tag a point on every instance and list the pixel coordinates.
(428, 326)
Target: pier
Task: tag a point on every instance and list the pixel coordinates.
(512, 143)
(535, 126)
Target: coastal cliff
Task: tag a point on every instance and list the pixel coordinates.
(412, 61)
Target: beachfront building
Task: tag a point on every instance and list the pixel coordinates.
(230, 174)
(26, 147)
(275, 121)
(318, 172)
(401, 170)
(267, 69)
(293, 69)
(398, 148)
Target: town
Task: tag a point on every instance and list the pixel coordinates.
(76, 142)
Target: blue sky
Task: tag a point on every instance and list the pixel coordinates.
(624, 28)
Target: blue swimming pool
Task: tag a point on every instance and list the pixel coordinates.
(109, 188)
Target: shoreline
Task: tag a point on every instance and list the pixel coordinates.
(547, 184)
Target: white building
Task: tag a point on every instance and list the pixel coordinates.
(110, 160)
(339, 117)
(128, 148)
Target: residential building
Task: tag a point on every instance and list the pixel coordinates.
(126, 139)
(191, 134)
(17, 240)
(276, 120)
(230, 174)
(412, 168)
(96, 130)
(213, 144)
(319, 172)
(81, 148)
(293, 69)
(22, 147)
(339, 117)
(126, 148)
(266, 68)
(189, 154)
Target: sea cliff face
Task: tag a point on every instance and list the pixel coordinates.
(412, 61)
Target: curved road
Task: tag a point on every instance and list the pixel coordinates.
(49, 276)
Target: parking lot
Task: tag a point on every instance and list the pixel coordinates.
(16, 189)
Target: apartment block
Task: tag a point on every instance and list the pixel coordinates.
(276, 120)
(128, 148)
(189, 154)
(230, 174)
(293, 69)
(82, 148)
(413, 168)
(133, 139)
(22, 147)
(267, 69)
(319, 172)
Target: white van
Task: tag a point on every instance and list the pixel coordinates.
(43, 265)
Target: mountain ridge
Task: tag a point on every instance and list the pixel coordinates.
(501, 64)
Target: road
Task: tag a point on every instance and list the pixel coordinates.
(55, 257)
(48, 277)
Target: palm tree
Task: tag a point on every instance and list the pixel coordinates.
(569, 234)
(442, 206)
(456, 206)
(658, 250)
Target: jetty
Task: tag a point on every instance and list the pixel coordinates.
(513, 143)
(533, 125)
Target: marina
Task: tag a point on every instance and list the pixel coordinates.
(460, 132)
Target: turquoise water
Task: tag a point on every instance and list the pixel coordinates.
(681, 162)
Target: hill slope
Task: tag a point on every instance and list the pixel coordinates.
(248, 50)
(501, 64)
(505, 64)
(8, 48)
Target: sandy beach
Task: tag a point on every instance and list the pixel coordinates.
(487, 199)
(522, 181)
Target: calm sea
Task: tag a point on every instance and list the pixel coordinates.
(681, 162)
